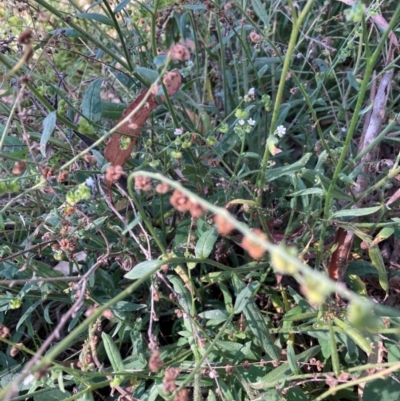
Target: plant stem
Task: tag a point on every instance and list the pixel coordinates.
(350, 133)
(275, 114)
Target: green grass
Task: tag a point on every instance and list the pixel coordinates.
(264, 134)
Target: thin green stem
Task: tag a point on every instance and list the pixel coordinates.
(350, 133)
(153, 29)
(10, 117)
(203, 358)
(146, 220)
(120, 35)
(83, 33)
(382, 374)
(275, 113)
(66, 341)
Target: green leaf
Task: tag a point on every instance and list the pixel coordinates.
(283, 371)
(113, 111)
(48, 127)
(148, 75)
(91, 103)
(311, 176)
(122, 308)
(309, 191)
(385, 311)
(377, 260)
(214, 314)
(244, 296)
(352, 80)
(132, 224)
(113, 353)
(334, 352)
(256, 322)
(274, 173)
(382, 390)
(206, 243)
(354, 334)
(53, 394)
(144, 268)
(216, 277)
(291, 357)
(68, 32)
(296, 394)
(160, 60)
(184, 297)
(121, 6)
(27, 313)
(356, 212)
(260, 11)
(96, 17)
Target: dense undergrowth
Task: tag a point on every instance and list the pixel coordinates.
(235, 237)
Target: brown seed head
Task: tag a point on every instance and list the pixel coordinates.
(255, 37)
(224, 227)
(62, 176)
(108, 314)
(183, 395)
(162, 188)
(155, 362)
(4, 331)
(254, 250)
(48, 172)
(19, 167)
(69, 210)
(15, 350)
(179, 52)
(196, 210)
(25, 37)
(143, 183)
(89, 159)
(113, 173)
(180, 201)
(170, 376)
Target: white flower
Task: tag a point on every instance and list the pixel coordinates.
(246, 98)
(28, 380)
(241, 122)
(252, 92)
(280, 131)
(89, 182)
(178, 131)
(250, 121)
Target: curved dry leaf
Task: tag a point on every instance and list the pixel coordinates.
(115, 152)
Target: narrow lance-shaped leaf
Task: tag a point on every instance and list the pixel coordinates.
(141, 269)
(206, 243)
(49, 124)
(113, 353)
(255, 321)
(377, 260)
(96, 17)
(91, 103)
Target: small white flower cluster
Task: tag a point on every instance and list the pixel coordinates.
(280, 131)
(250, 95)
(250, 121)
(178, 131)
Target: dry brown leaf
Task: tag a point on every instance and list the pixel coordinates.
(131, 129)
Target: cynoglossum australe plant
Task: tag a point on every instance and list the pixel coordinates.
(215, 309)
